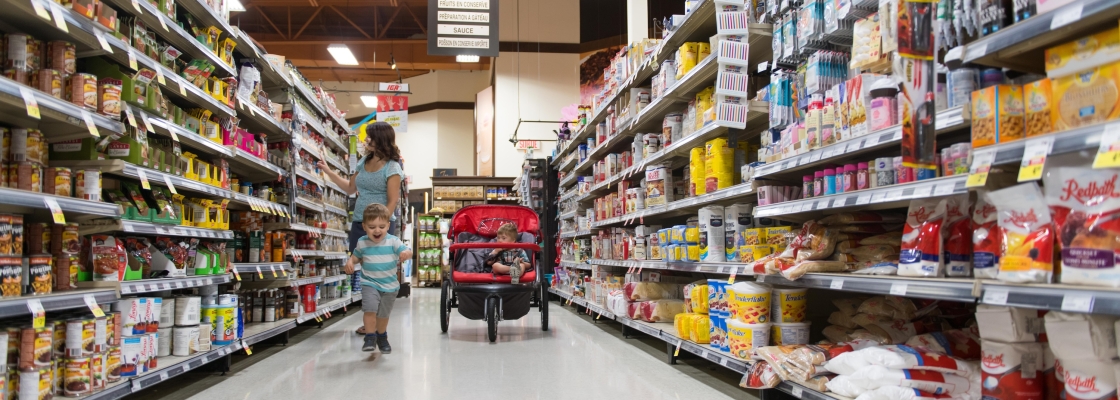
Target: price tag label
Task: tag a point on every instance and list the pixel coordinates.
(163, 376)
(894, 195)
(837, 284)
(995, 296)
(159, 76)
(731, 280)
(863, 199)
(59, 19)
(273, 269)
(130, 116)
(898, 289)
(170, 186)
(677, 352)
(1075, 302)
(148, 124)
(38, 313)
(764, 66)
(132, 60)
(182, 89)
(1034, 158)
(259, 273)
(162, 23)
(29, 102)
(88, 118)
(101, 39)
(248, 350)
(1108, 155)
(922, 192)
(1065, 16)
(136, 386)
(283, 272)
(42, 12)
(56, 211)
(235, 274)
(981, 165)
(93, 306)
(796, 391)
(143, 179)
(186, 367)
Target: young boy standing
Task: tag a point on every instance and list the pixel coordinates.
(379, 254)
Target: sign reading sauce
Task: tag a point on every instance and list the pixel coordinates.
(463, 27)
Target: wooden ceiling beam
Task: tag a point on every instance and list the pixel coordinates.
(414, 18)
(390, 23)
(351, 22)
(261, 12)
(305, 24)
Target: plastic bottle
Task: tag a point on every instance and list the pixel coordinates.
(849, 178)
(884, 172)
(818, 183)
(861, 176)
(807, 186)
(829, 181)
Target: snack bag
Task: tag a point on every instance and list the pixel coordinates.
(1083, 202)
(1028, 234)
(987, 238)
(760, 376)
(921, 238)
(957, 252)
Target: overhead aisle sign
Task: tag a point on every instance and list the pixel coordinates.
(463, 27)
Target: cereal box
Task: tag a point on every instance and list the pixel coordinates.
(1088, 52)
(997, 115)
(1085, 98)
(1036, 98)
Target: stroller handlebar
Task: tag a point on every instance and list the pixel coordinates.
(492, 245)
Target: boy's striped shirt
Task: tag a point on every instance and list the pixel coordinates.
(379, 262)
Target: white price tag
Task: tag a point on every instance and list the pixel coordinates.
(922, 192)
(130, 116)
(820, 204)
(59, 19)
(764, 66)
(863, 199)
(143, 179)
(38, 313)
(796, 391)
(1065, 15)
(943, 189)
(29, 102)
(816, 156)
(163, 375)
(1077, 303)
(854, 145)
(898, 289)
(101, 39)
(836, 284)
(170, 186)
(894, 195)
(186, 368)
(56, 210)
(995, 296)
(981, 163)
(136, 386)
(1034, 158)
(90, 125)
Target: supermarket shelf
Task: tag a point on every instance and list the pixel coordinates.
(172, 366)
(356, 297)
(291, 226)
(251, 168)
(893, 196)
(331, 138)
(157, 285)
(309, 204)
(567, 235)
(684, 90)
(570, 194)
(60, 120)
(947, 121)
(113, 390)
(954, 289)
(574, 264)
(1058, 297)
(334, 255)
(567, 163)
(174, 34)
(305, 281)
(804, 393)
(22, 201)
(335, 233)
(244, 198)
(568, 215)
(335, 210)
(1006, 48)
(256, 332)
(260, 121)
(148, 228)
(16, 306)
(337, 163)
(323, 309)
(729, 195)
(336, 278)
(205, 15)
(251, 268)
(303, 253)
(21, 15)
(189, 138)
(701, 267)
(272, 76)
(701, 23)
(310, 176)
(1069, 141)
(304, 90)
(568, 180)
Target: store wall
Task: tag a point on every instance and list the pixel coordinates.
(436, 138)
(530, 85)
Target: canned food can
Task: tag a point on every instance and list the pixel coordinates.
(57, 181)
(46, 383)
(113, 364)
(38, 276)
(100, 334)
(71, 239)
(28, 384)
(87, 184)
(78, 377)
(74, 338)
(35, 349)
(97, 369)
(34, 146)
(18, 147)
(113, 331)
(58, 368)
(59, 341)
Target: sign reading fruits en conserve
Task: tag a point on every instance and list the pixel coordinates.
(463, 27)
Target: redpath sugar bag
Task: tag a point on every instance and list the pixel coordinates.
(1084, 202)
(986, 238)
(1011, 371)
(899, 357)
(1028, 234)
(875, 376)
(921, 238)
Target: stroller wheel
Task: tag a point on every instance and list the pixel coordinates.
(444, 306)
(492, 311)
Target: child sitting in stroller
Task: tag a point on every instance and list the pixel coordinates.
(508, 261)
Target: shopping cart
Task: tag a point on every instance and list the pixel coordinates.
(484, 295)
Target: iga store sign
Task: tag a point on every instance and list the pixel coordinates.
(463, 27)
(393, 110)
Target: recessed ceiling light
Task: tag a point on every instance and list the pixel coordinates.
(342, 54)
(236, 6)
(369, 100)
(466, 59)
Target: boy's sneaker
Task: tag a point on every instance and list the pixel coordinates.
(370, 342)
(383, 343)
(514, 274)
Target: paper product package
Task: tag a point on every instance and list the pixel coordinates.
(1075, 336)
(737, 218)
(1082, 201)
(1011, 370)
(661, 310)
(1089, 379)
(875, 376)
(641, 291)
(960, 343)
(1008, 324)
(899, 357)
(659, 185)
(713, 234)
(1053, 374)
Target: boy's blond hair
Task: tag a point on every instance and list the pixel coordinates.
(376, 211)
(508, 230)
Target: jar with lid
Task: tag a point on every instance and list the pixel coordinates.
(807, 186)
(883, 110)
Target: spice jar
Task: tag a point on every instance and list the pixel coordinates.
(829, 181)
(861, 176)
(883, 111)
(849, 181)
(807, 186)
(818, 183)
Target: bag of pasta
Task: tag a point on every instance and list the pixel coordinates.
(1084, 203)
(1028, 234)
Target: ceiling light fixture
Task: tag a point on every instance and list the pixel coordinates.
(235, 6)
(342, 54)
(392, 61)
(369, 100)
(466, 59)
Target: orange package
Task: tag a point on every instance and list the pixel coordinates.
(1028, 234)
(1036, 96)
(997, 115)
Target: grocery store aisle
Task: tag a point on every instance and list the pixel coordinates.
(575, 359)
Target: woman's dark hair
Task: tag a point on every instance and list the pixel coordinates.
(383, 141)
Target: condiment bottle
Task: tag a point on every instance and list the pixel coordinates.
(829, 181)
(849, 178)
(818, 183)
(861, 176)
(807, 186)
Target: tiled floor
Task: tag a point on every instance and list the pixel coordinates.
(576, 359)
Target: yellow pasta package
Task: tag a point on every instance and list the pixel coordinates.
(700, 329)
(700, 298)
(997, 115)
(683, 323)
(686, 58)
(1085, 98)
(718, 164)
(1084, 53)
(696, 171)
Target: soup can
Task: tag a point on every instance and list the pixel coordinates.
(113, 364)
(35, 350)
(77, 377)
(87, 184)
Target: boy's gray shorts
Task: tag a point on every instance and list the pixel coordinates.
(376, 301)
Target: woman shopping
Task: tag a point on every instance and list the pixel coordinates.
(378, 179)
